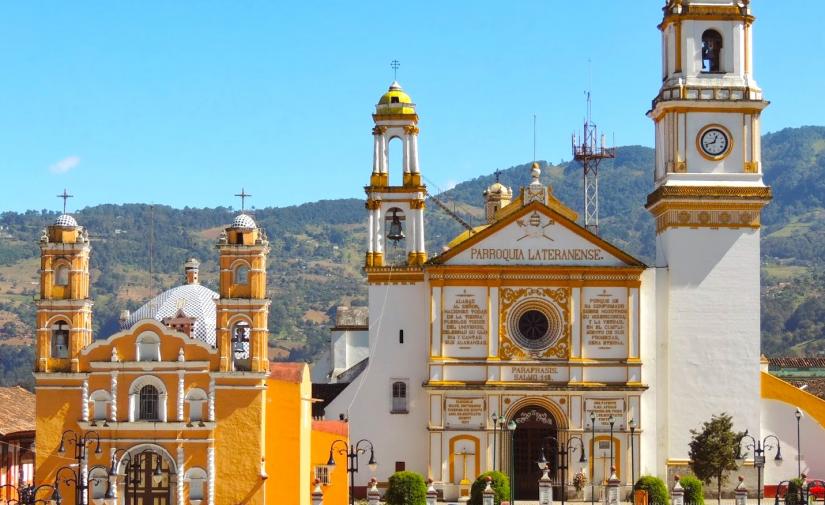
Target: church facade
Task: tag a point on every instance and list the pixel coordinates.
(532, 336)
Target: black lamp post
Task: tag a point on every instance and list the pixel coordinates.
(611, 421)
(798, 415)
(593, 452)
(495, 433)
(28, 495)
(759, 448)
(79, 478)
(632, 425)
(563, 451)
(352, 460)
(511, 427)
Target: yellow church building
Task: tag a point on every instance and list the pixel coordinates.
(182, 405)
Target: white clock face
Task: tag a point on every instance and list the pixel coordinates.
(714, 142)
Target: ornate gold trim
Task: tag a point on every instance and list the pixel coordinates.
(412, 179)
(714, 126)
(379, 130)
(508, 298)
(411, 129)
(705, 218)
(763, 193)
(379, 180)
(751, 167)
(389, 117)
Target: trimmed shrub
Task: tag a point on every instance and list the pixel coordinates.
(406, 488)
(656, 489)
(500, 484)
(794, 494)
(693, 490)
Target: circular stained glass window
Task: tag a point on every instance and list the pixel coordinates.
(533, 325)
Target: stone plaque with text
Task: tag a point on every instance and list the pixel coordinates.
(604, 322)
(464, 412)
(464, 322)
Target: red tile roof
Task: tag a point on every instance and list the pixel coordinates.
(796, 362)
(288, 372)
(335, 427)
(17, 411)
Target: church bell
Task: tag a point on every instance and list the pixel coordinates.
(396, 233)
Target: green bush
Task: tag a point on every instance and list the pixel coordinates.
(656, 489)
(500, 484)
(794, 495)
(694, 493)
(406, 488)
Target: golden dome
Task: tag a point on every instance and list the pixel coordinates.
(395, 101)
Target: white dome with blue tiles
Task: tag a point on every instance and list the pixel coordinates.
(244, 221)
(65, 221)
(194, 300)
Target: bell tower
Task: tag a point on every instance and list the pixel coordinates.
(707, 201)
(64, 310)
(243, 308)
(396, 213)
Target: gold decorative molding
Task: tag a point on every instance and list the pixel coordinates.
(705, 218)
(678, 167)
(372, 204)
(417, 204)
(751, 167)
(412, 179)
(762, 193)
(509, 299)
(379, 180)
(411, 129)
(379, 130)
(389, 117)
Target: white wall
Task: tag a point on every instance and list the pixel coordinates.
(713, 327)
(778, 419)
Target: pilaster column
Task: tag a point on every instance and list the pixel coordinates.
(180, 395)
(210, 475)
(419, 229)
(113, 392)
(181, 474)
(212, 400)
(414, 151)
(162, 399)
(406, 162)
(379, 232)
(84, 393)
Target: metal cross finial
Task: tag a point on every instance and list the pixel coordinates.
(498, 173)
(65, 196)
(244, 195)
(395, 64)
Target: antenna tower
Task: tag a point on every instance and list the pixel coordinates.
(589, 149)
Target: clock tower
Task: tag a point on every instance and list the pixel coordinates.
(707, 200)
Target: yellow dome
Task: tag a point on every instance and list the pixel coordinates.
(395, 101)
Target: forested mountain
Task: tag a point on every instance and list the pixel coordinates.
(317, 249)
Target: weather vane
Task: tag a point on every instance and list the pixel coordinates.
(395, 64)
(244, 195)
(65, 196)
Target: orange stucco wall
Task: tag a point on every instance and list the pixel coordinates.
(324, 433)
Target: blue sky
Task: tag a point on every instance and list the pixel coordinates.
(183, 103)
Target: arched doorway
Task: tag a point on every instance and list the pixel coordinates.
(536, 429)
(146, 477)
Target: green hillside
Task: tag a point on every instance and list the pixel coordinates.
(317, 249)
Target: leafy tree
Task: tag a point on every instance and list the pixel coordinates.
(713, 451)
(500, 483)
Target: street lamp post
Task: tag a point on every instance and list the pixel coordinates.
(632, 425)
(352, 460)
(592, 454)
(759, 448)
(28, 495)
(495, 432)
(79, 478)
(511, 427)
(611, 421)
(798, 415)
(563, 451)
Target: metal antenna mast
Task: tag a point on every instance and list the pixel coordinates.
(590, 150)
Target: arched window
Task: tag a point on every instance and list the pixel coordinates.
(711, 51)
(100, 404)
(399, 397)
(240, 345)
(61, 275)
(60, 340)
(197, 480)
(148, 347)
(196, 398)
(241, 275)
(98, 483)
(149, 403)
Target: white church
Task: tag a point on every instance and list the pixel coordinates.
(532, 321)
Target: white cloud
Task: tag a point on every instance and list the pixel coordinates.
(64, 165)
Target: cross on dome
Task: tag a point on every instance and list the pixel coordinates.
(65, 196)
(243, 195)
